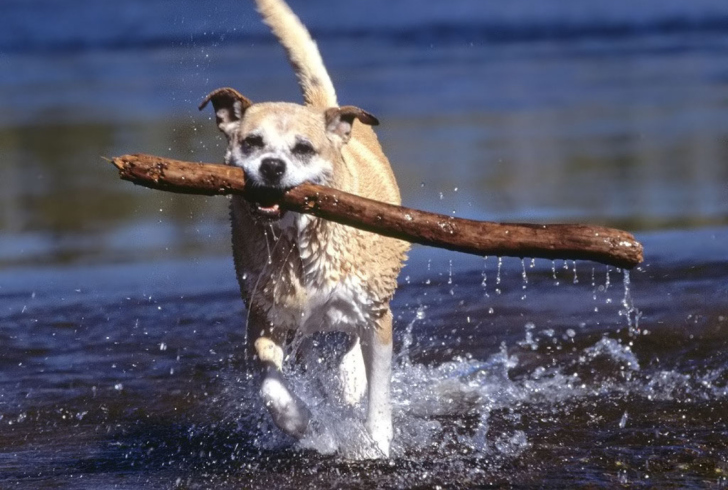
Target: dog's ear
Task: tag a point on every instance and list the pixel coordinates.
(339, 120)
(229, 105)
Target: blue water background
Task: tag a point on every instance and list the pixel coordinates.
(120, 322)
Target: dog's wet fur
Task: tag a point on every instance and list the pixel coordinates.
(299, 273)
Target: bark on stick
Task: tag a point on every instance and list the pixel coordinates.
(554, 241)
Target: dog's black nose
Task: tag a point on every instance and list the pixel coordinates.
(272, 169)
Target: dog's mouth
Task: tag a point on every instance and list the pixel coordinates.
(264, 201)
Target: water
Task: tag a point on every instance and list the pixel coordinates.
(121, 328)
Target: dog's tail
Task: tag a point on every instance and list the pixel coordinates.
(314, 80)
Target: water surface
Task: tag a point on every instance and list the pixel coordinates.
(121, 328)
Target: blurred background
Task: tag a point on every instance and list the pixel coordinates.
(121, 332)
(604, 112)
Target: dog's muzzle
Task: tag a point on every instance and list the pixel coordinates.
(264, 201)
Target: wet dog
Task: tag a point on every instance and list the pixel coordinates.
(299, 273)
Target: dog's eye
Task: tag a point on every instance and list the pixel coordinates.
(303, 148)
(252, 142)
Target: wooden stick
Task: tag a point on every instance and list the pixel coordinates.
(559, 241)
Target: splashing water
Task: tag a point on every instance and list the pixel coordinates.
(432, 402)
(630, 312)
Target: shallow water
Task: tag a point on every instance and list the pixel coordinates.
(133, 375)
(121, 328)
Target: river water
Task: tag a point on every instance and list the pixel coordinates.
(121, 327)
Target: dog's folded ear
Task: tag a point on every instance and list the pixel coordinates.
(339, 120)
(229, 105)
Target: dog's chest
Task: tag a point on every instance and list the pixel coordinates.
(343, 306)
(310, 282)
(336, 294)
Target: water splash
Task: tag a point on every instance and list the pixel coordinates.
(630, 312)
(529, 342)
(403, 357)
(426, 397)
(614, 351)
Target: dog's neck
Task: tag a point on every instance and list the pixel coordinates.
(321, 250)
(322, 246)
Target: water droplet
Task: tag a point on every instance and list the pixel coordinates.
(528, 341)
(623, 420)
(484, 282)
(267, 245)
(633, 314)
(606, 284)
(523, 274)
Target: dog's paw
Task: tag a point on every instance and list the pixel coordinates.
(288, 411)
(381, 433)
(269, 352)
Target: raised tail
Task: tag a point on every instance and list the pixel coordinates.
(314, 80)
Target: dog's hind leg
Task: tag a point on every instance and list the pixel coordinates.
(352, 373)
(377, 352)
(288, 411)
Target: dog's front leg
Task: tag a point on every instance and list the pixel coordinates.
(288, 411)
(377, 351)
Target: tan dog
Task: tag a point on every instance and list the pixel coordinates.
(300, 273)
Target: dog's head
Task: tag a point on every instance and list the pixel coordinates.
(280, 145)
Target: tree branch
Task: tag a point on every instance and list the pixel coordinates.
(558, 241)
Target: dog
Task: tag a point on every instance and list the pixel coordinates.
(299, 273)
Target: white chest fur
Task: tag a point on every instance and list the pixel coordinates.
(343, 306)
(336, 294)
